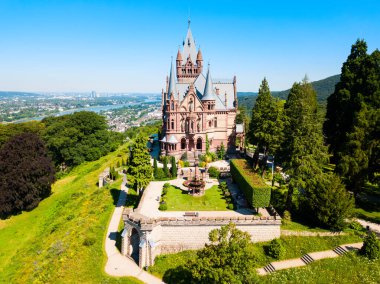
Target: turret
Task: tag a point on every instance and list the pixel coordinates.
(179, 63)
(208, 98)
(199, 61)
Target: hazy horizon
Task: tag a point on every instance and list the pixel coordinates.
(126, 46)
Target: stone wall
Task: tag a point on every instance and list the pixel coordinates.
(171, 235)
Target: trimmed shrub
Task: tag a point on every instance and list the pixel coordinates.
(275, 249)
(257, 193)
(159, 175)
(286, 218)
(213, 172)
(371, 246)
(163, 207)
(231, 206)
(166, 185)
(186, 164)
(354, 225)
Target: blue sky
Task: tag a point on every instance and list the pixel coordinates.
(125, 46)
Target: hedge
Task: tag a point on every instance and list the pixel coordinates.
(255, 190)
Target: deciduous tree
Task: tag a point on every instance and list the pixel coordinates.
(27, 173)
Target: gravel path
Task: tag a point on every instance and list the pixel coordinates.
(117, 264)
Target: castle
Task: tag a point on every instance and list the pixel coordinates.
(196, 108)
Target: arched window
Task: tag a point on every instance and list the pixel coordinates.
(172, 105)
(199, 143)
(209, 123)
(168, 124)
(215, 122)
(172, 126)
(183, 143)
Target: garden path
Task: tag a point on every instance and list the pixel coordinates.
(308, 258)
(117, 264)
(372, 226)
(150, 202)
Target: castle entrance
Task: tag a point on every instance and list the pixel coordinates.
(134, 245)
(191, 144)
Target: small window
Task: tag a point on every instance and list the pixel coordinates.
(215, 123)
(209, 123)
(172, 124)
(172, 105)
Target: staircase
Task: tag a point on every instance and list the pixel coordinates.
(340, 250)
(307, 259)
(269, 268)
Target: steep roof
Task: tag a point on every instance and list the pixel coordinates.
(172, 84)
(189, 48)
(208, 93)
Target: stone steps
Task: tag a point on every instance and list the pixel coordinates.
(340, 250)
(269, 268)
(307, 259)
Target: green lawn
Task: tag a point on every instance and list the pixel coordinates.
(296, 226)
(368, 204)
(350, 268)
(295, 246)
(212, 200)
(61, 241)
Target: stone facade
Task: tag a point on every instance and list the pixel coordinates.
(195, 107)
(148, 238)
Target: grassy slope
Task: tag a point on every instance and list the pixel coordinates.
(350, 268)
(178, 200)
(62, 239)
(294, 247)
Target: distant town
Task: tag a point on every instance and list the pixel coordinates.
(121, 110)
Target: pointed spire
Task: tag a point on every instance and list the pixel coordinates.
(199, 55)
(179, 56)
(189, 48)
(208, 94)
(172, 86)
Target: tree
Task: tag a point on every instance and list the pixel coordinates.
(27, 173)
(166, 169)
(353, 117)
(140, 169)
(329, 202)
(303, 152)
(174, 167)
(78, 137)
(266, 126)
(228, 259)
(155, 168)
(371, 246)
(207, 145)
(221, 152)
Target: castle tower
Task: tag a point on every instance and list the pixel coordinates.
(189, 62)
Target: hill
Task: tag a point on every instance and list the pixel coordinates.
(324, 89)
(62, 239)
(5, 94)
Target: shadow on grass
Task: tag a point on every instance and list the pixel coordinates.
(115, 193)
(177, 275)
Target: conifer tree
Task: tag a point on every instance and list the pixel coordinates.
(353, 117)
(155, 167)
(166, 169)
(140, 169)
(266, 126)
(303, 152)
(174, 167)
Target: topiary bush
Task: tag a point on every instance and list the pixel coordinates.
(163, 207)
(213, 172)
(371, 246)
(275, 249)
(286, 217)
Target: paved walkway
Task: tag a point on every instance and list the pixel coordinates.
(308, 258)
(117, 264)
(372, 226)
(150, 202)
